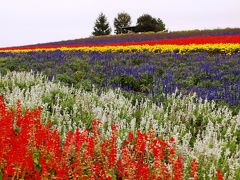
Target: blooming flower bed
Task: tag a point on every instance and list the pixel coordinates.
(32, 150)
(206, 136)
(212, 76)
(152, 106)
(223, 44)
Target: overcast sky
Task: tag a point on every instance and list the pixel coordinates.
(36, 21)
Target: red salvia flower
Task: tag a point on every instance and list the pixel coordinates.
(219, 175)
(178, 169)
(194, 168)
(32, 150)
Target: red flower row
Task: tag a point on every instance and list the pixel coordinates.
(32, 150)
(179, 41)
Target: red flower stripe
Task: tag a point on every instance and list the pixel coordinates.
(32, 150)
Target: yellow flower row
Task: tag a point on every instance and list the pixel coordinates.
(224, 48)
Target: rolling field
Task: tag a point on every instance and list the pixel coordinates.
(138, 106)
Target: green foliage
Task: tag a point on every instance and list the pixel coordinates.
(146, 23)
(86, 84)
(65, 78)
(122, 20)
(159, 71)
(101, 26)
(3, 70)
(137, 61)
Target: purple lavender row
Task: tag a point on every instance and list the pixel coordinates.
(211, 76)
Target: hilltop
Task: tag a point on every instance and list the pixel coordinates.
(141, 37)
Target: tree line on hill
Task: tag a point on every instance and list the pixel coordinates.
(122, 24)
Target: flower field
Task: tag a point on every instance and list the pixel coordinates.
(150, 106)
(224, 44)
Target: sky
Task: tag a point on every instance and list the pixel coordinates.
(24, 22)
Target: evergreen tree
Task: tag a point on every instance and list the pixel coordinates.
(122, 20)
(101, 26)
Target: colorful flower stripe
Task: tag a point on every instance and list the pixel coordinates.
(181, 41)
(223, 48)
(200, 40)
(231, 39)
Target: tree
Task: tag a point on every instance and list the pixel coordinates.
(160, 26)
(147, 23)
(101, 26)
(122, 20)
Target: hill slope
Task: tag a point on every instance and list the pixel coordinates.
(144, 37)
